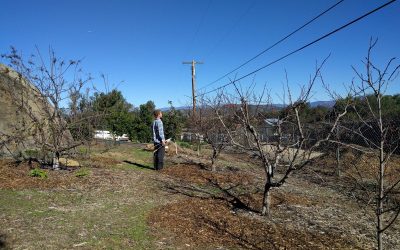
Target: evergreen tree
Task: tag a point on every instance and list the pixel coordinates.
(116, 112)
(141, 127)
(173, 122)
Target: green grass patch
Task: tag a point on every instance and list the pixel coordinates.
(82, 172)
(13, 202)
(83, 150)
(37, 172)
(184, 144)
(100, 220)
(139, 230)
(142, 155)
(139, 159)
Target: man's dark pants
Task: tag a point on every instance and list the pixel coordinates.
(158, 156)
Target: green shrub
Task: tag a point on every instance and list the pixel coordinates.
(83, 150)
(82, 172)
(37, 172)
(184, 144)
(31, 153)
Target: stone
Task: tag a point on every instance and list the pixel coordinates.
(69, 162)
(23, 113)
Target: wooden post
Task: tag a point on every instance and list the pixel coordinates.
(193, 63)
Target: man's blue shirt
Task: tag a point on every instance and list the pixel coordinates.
(158, 131)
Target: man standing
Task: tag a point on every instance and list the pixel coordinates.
(159, 140)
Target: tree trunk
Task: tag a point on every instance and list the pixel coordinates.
(213, 159)
(267, 197)
(198, 145)
(337, 153)
(266, 201)
(379, 203)
(379, 215)
(379, 232)
(213, 167)
(338, 161)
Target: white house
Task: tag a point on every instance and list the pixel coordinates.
(103, 134)
(107, 135)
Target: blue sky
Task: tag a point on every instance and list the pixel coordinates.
(143, 43)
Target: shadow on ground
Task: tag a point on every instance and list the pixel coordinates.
(3, 244)
(195, 182)
(139, 165)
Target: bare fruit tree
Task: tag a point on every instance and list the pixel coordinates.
(209, 126)
(41, 91)
(291, 146)
(380, 137)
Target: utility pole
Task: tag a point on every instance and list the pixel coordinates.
(193, 63)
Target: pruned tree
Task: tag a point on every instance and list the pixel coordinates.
(40, 91)
(208, 125)
(82, 118)
(293, 146)
(380, 137)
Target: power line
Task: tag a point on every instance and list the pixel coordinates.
(303, 47)
(232, 27)
(200, 23)
(273, 45)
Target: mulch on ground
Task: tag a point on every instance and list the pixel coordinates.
(195, 174)
(215, 220)
(239, 184)
(212, 223)
(16, 176)
(359, 173)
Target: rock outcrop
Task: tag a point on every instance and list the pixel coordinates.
(24, 115)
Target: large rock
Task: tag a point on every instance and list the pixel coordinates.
(69, 162)
(23, 115)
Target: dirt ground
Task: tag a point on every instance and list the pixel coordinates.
(122, 203)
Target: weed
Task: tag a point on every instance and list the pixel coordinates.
(82, 172)
(184, 144)
(38, 173)
(31, 153)
(83, 150)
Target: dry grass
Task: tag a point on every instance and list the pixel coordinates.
(102, 161)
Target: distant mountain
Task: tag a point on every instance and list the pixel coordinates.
(177, 108)
(328, 104)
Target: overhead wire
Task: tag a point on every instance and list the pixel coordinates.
(232, 27)
(303, 47)
(275, 44)
(200, 24)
